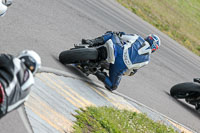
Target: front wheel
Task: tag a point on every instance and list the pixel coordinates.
(185, 90)
(78, 55)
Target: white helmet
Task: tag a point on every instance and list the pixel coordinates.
(4, 6)
(31, 59)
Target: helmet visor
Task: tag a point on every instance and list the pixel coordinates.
(29, 62)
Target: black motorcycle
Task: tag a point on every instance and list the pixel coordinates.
(89, 59)
(190, 91)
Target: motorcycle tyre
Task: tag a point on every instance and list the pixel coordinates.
(77, 55)
(184, 90)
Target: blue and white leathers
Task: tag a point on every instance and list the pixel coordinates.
(131, 52)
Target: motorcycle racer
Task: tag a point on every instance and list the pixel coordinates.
(131, 53)
(16, 74)
(16, 79)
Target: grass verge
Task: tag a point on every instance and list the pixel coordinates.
(111, 120)
(180, 19)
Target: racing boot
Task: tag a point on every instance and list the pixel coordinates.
(94, 42)
(196, 80)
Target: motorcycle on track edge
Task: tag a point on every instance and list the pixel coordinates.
(89, 59)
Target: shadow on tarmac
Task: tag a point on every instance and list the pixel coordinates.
(72, 69)
(184, 105)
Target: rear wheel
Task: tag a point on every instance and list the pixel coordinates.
(78, 55)
(185, 90)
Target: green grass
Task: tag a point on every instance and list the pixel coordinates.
(111, 120)
(180, 19)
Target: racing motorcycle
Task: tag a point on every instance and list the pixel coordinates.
(88, 58)
(190, 91)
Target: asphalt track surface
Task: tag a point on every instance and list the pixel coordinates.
(50, 27)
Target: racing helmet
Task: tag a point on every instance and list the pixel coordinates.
(4, 6)
(31, 60)
(154, 42)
